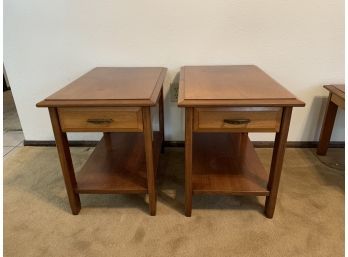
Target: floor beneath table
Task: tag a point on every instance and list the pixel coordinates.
(309, 217)
(12, 130)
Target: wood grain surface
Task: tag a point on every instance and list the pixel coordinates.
(258, 119)
(338, 89)
(226, 163)
(121, 169)
(235, 85)
(106, 119)
(115, 86)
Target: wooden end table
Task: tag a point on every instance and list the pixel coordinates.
(222, 104)
(117, 102)
(336, 99)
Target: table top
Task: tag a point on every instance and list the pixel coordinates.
(111, 86)
(234, 85)
(337, 89)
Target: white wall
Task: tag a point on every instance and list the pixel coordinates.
(47, 44)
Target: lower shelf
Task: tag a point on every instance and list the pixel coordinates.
(226, 163)
(117, 165)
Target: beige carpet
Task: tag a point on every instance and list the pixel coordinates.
(309, 217)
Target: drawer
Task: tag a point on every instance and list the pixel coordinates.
(104, 119)
(237, 119)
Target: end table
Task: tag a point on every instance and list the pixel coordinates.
(336, 99)
(117, 102)
(222, 104)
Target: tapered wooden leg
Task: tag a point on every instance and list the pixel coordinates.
(151, 187)
(327, 127)
(188, 160)
(277, 162)
(107, 139)
(65, 162)
(242, 146)
(161, 119)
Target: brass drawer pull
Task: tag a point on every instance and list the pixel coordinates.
(236, 121)
(100, 121)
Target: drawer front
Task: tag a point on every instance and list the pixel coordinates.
(104, 119)
(238, 119)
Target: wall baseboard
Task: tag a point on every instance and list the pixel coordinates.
(257, 144)
(77, 143)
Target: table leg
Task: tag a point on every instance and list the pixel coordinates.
(151, 187)
(327, 127)
(107, 140)
(65, 162)
(277, 162)
(242, 146)
(161, 118)
(188, 161)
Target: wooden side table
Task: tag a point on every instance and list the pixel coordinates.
(117, 102)
(336, 99)
(222, 104)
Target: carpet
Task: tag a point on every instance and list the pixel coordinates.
(308, 221)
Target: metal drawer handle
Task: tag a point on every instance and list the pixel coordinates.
(100, 121)
(236, 121)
